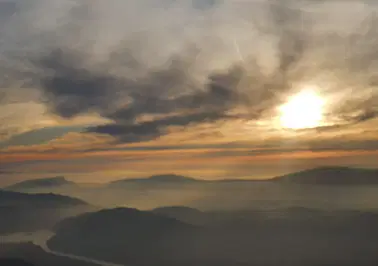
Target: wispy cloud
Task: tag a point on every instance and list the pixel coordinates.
(206, 77)
(78, 70)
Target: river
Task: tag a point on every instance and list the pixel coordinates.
(40, 238)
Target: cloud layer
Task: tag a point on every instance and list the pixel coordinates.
(149, 67)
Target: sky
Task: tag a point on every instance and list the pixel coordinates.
(100, 90)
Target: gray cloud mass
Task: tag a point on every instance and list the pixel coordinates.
(146, 68)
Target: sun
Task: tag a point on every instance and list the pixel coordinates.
(303, 110)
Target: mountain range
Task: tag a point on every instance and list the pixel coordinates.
(304, 218)
(156, 179)
(21, 212)
(332, 176)
(324, 187)
(317, 176)
(53, 182)
(11, 198)
(294, 237)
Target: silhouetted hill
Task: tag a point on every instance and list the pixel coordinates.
(142, 235)
(11, 198)
(21, 212)
(293, 237)
(28, 254)
(176, 210)
(171, 178)
(332, 176)
(184, 214)
(127, 220)
(156, 179)
(43, 183)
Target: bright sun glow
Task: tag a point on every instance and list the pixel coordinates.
(304, 110)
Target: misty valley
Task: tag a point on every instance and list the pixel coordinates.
(322, 216)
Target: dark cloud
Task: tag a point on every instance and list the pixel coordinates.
(215, 98)
(153, 129)
(143, 99)
(367, 115)
(74, 88)
(70, 89)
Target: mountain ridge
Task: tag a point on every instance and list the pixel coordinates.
(19, 197)
(163, 178)
(331, 175)
(23, 212)
(326, 175)
(49, 182)
(346, 175)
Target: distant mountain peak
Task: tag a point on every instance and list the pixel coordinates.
(44, 198)
(41, 182)
(332, 175)
(122, 219)
(164, 178)
(175, 209)
(170, 178)
(332, 168)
